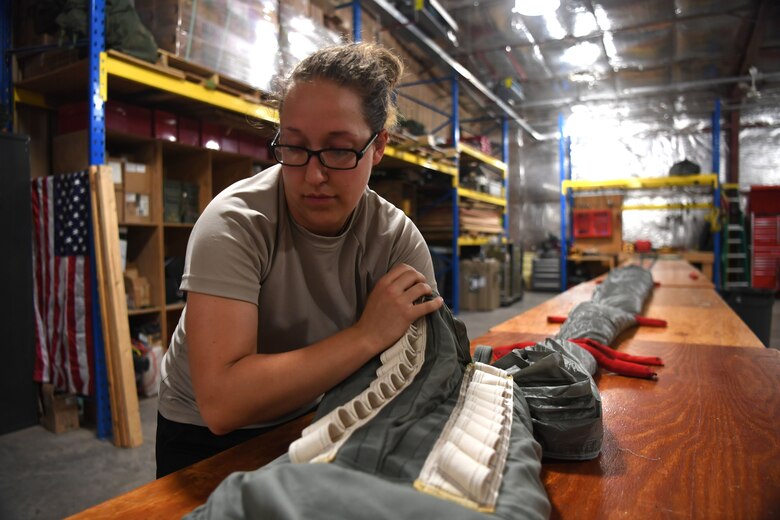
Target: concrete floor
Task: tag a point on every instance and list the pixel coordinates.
(43, 475)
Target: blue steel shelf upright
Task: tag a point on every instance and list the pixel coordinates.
(452, 120)
(97, 151)
(716, 244)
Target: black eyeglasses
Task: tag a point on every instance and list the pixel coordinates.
(333, 158)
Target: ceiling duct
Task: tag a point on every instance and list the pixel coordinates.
(652, 90)
(393, 17)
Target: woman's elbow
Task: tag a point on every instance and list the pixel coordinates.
(216, 418)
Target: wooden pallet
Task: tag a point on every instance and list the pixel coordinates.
(179, 68)
(424, 146)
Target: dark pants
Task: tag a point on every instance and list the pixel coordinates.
(180, 445)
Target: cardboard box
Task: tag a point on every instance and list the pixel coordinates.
(35, 64)
(137, 178)
(60, 411)
(216, 35)
(480, 285)
(139, 292)
(117, 171)
(119, 201)
(137, 208)
(70, 152)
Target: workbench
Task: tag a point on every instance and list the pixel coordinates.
(701, 441)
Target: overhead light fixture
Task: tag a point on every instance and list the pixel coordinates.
(536, 7)
(582, 54)
(583, 77)
(452, 38)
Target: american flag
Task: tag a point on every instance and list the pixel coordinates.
(63, 282)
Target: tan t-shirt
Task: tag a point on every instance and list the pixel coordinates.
(307, 287)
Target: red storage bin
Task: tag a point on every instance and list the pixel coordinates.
(189, 131)
(254, 146)
(210, 136)
(764, 200)
(229, 140)
(166, 125)
(120, 117)
(592, 223)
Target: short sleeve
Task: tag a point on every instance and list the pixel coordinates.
(228, 250)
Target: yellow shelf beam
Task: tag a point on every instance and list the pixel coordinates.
(485, 158)
(636, 183)
(418, 160)
(672, 205)
(482, 197)
(181, 87)
(28, 97)
(478, 241)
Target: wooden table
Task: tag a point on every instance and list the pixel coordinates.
(179, 493)
(694, 316)
(702, 441)
(608, 260)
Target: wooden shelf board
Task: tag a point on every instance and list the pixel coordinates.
(178, 225)
(138, 224)
(479, 241)
(481, 156)
(482, 197)
(150, 77)
(145, 310)
(418, 160)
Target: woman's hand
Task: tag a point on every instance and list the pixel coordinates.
(391, 306)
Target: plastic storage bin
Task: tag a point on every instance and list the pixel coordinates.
(754, 307)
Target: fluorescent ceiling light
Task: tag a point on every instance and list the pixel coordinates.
(584, 23)
(582, 54)
(583, 77)
(554, 27)
(536, 7)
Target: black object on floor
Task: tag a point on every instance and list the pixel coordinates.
(754, 307)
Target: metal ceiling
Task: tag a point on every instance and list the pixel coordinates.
(652, 58)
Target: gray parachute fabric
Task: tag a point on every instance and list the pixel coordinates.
(595, 321)
(626, 288)
(554, 376)
(373, 474)
(612, 308)
(563, 400)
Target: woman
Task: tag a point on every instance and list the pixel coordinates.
(297, 276)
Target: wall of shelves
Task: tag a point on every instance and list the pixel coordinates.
(213, 170)
(150, 243)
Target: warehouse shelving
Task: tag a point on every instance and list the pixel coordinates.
(707, 180)
(109, 73)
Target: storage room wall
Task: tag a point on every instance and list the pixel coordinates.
(604, 148)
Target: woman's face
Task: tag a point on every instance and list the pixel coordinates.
(316, 115)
